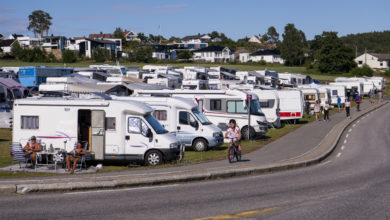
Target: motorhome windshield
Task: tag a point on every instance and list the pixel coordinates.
(201, 117)
(157, 127)
(255, 108)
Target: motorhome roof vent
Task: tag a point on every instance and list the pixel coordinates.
(98, 95)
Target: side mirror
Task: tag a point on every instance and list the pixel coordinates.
(149, 133)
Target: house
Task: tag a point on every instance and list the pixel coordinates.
(200, 38)
(30, 42)
(53, 43)
(255, 39)
(374, 60)
(163, 52)
(269, 56)
(214, 54)
(101, 35)
(6, 45)
(14, 36)
(84, 45)
(131, 36)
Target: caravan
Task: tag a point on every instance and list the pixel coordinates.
(112, 129)
(290, 104)
(336, 90)
(182, 117)
(310, 95)
(220, 106)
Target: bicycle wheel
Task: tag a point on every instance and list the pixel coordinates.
(231, 154)
(237, 153)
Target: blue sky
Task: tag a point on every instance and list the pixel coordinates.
(236, 19)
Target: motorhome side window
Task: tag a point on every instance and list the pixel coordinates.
(267, 103)
(136, 125)
(185, 118)
(30, 122)
(334, 92)
(236, 107)
(110, 123)
(160, 115)
(215, 104)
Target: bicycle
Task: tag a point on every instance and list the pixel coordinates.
(233, 152)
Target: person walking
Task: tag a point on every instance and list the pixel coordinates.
(357, 100)
(339, 103)
(372, 96)
(380, 96)
(317, 109)
(326, 111)
(347, 106)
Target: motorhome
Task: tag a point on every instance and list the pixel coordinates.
(291, 104)
(166, 80)
(195, 84)
(182, 117)
(310, 95)
(112, 129)
(111, 69)
(368, 85)
(336, 91)
(351, 87)
(379, 82)
(295, 79)
(5, 109)
(324, 95)
(32, 76)
(222, 105)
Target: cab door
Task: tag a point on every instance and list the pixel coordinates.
(187, 127)
(136, 137)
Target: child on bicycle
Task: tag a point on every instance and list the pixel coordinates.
(234, 134)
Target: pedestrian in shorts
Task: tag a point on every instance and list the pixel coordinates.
(347, 106)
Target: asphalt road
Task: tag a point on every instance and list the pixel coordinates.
(353, 183)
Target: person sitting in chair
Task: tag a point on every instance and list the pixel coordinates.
(74, 156)
(31, 149)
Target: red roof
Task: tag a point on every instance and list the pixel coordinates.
(92, 36)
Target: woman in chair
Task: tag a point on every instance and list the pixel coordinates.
(74, 156)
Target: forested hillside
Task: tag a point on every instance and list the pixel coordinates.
(375, 42)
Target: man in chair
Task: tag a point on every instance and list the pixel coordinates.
(74, 156)
(31, 149)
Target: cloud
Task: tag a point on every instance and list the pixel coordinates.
(6, 10)
(163, 9)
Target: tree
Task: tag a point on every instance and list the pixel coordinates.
(332, 55)
(143, 37)
(40, 22)
(118, 33)
(16, 50)
(184, 55)
(272, 35)
(364, 71)
(100, 54)
(293, 46)
(264, 38)
(174, 39)
(141, 54)
(69, 56)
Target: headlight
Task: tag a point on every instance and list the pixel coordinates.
(217, 134)
(174, 145)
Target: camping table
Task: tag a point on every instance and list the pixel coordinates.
(51, 158)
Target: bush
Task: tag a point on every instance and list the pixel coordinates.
(262, 62)
(141, 54)
(16, 50)
(387, 73)
(100, 54)
(51, 58)
(184, 55)
(363, 71)
(69, 56)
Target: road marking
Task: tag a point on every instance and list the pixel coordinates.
(350, 130)
(240, 214)
(354, 125)
(345, 141)
(120, 190)
(324, 163)
(346, 136)
(342, 147)
(339, 154)
(358, 121)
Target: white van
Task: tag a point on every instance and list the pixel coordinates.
(113, 129)
(222, 105)
(336, 90)
(290, 104)
(182, 117)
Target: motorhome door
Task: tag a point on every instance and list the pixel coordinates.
(98, 133)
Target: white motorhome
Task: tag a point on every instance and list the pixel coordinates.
(324, 94)
(310, 95)
(182, 117)
(195, 84)
(336, 90)
(222, 105)
(5, 109)
(368, 85)
(291, 104)
(113, 129)
(351, 87)
(111, 69)
(378, 81)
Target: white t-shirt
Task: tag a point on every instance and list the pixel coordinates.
(347, 104)
(233, 133)
(326, 107)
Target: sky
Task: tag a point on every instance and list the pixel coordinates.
(236, 18)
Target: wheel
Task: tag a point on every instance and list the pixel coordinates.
(231, 155)
(200, 145)
(238, 153)
(153, 158)
(244, 132)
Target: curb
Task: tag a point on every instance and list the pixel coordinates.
(193, 176)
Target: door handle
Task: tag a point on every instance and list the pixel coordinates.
(127, 137)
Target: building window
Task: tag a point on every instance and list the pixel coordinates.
(160, 115)
(381, 63)
(215, 104)
(110, 123)
(30, 122)
(360, 62)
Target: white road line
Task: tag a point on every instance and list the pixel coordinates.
(354, 125)
(346, 136)
(324, 163)
(358, 121)
(345, 141)
(339, 154)
(120, 190)
(350, 130)
(342, 147)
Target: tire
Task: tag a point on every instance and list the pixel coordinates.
(244, 132)
(153, 158)
(199, 145)
(231, 155)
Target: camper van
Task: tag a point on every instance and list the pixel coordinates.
(182, 117)
(310, 95)
(222, 105)
(351, 87)
(336, 90)
(291, 104)
(112, 129)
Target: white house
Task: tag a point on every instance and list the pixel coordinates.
(255, 39)
(214, 54)
(163, 52)
(374, 60)
(30, 42)
(269, 56)
(200, 38)
(244, 57)
(6, 45)
(131, 36)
